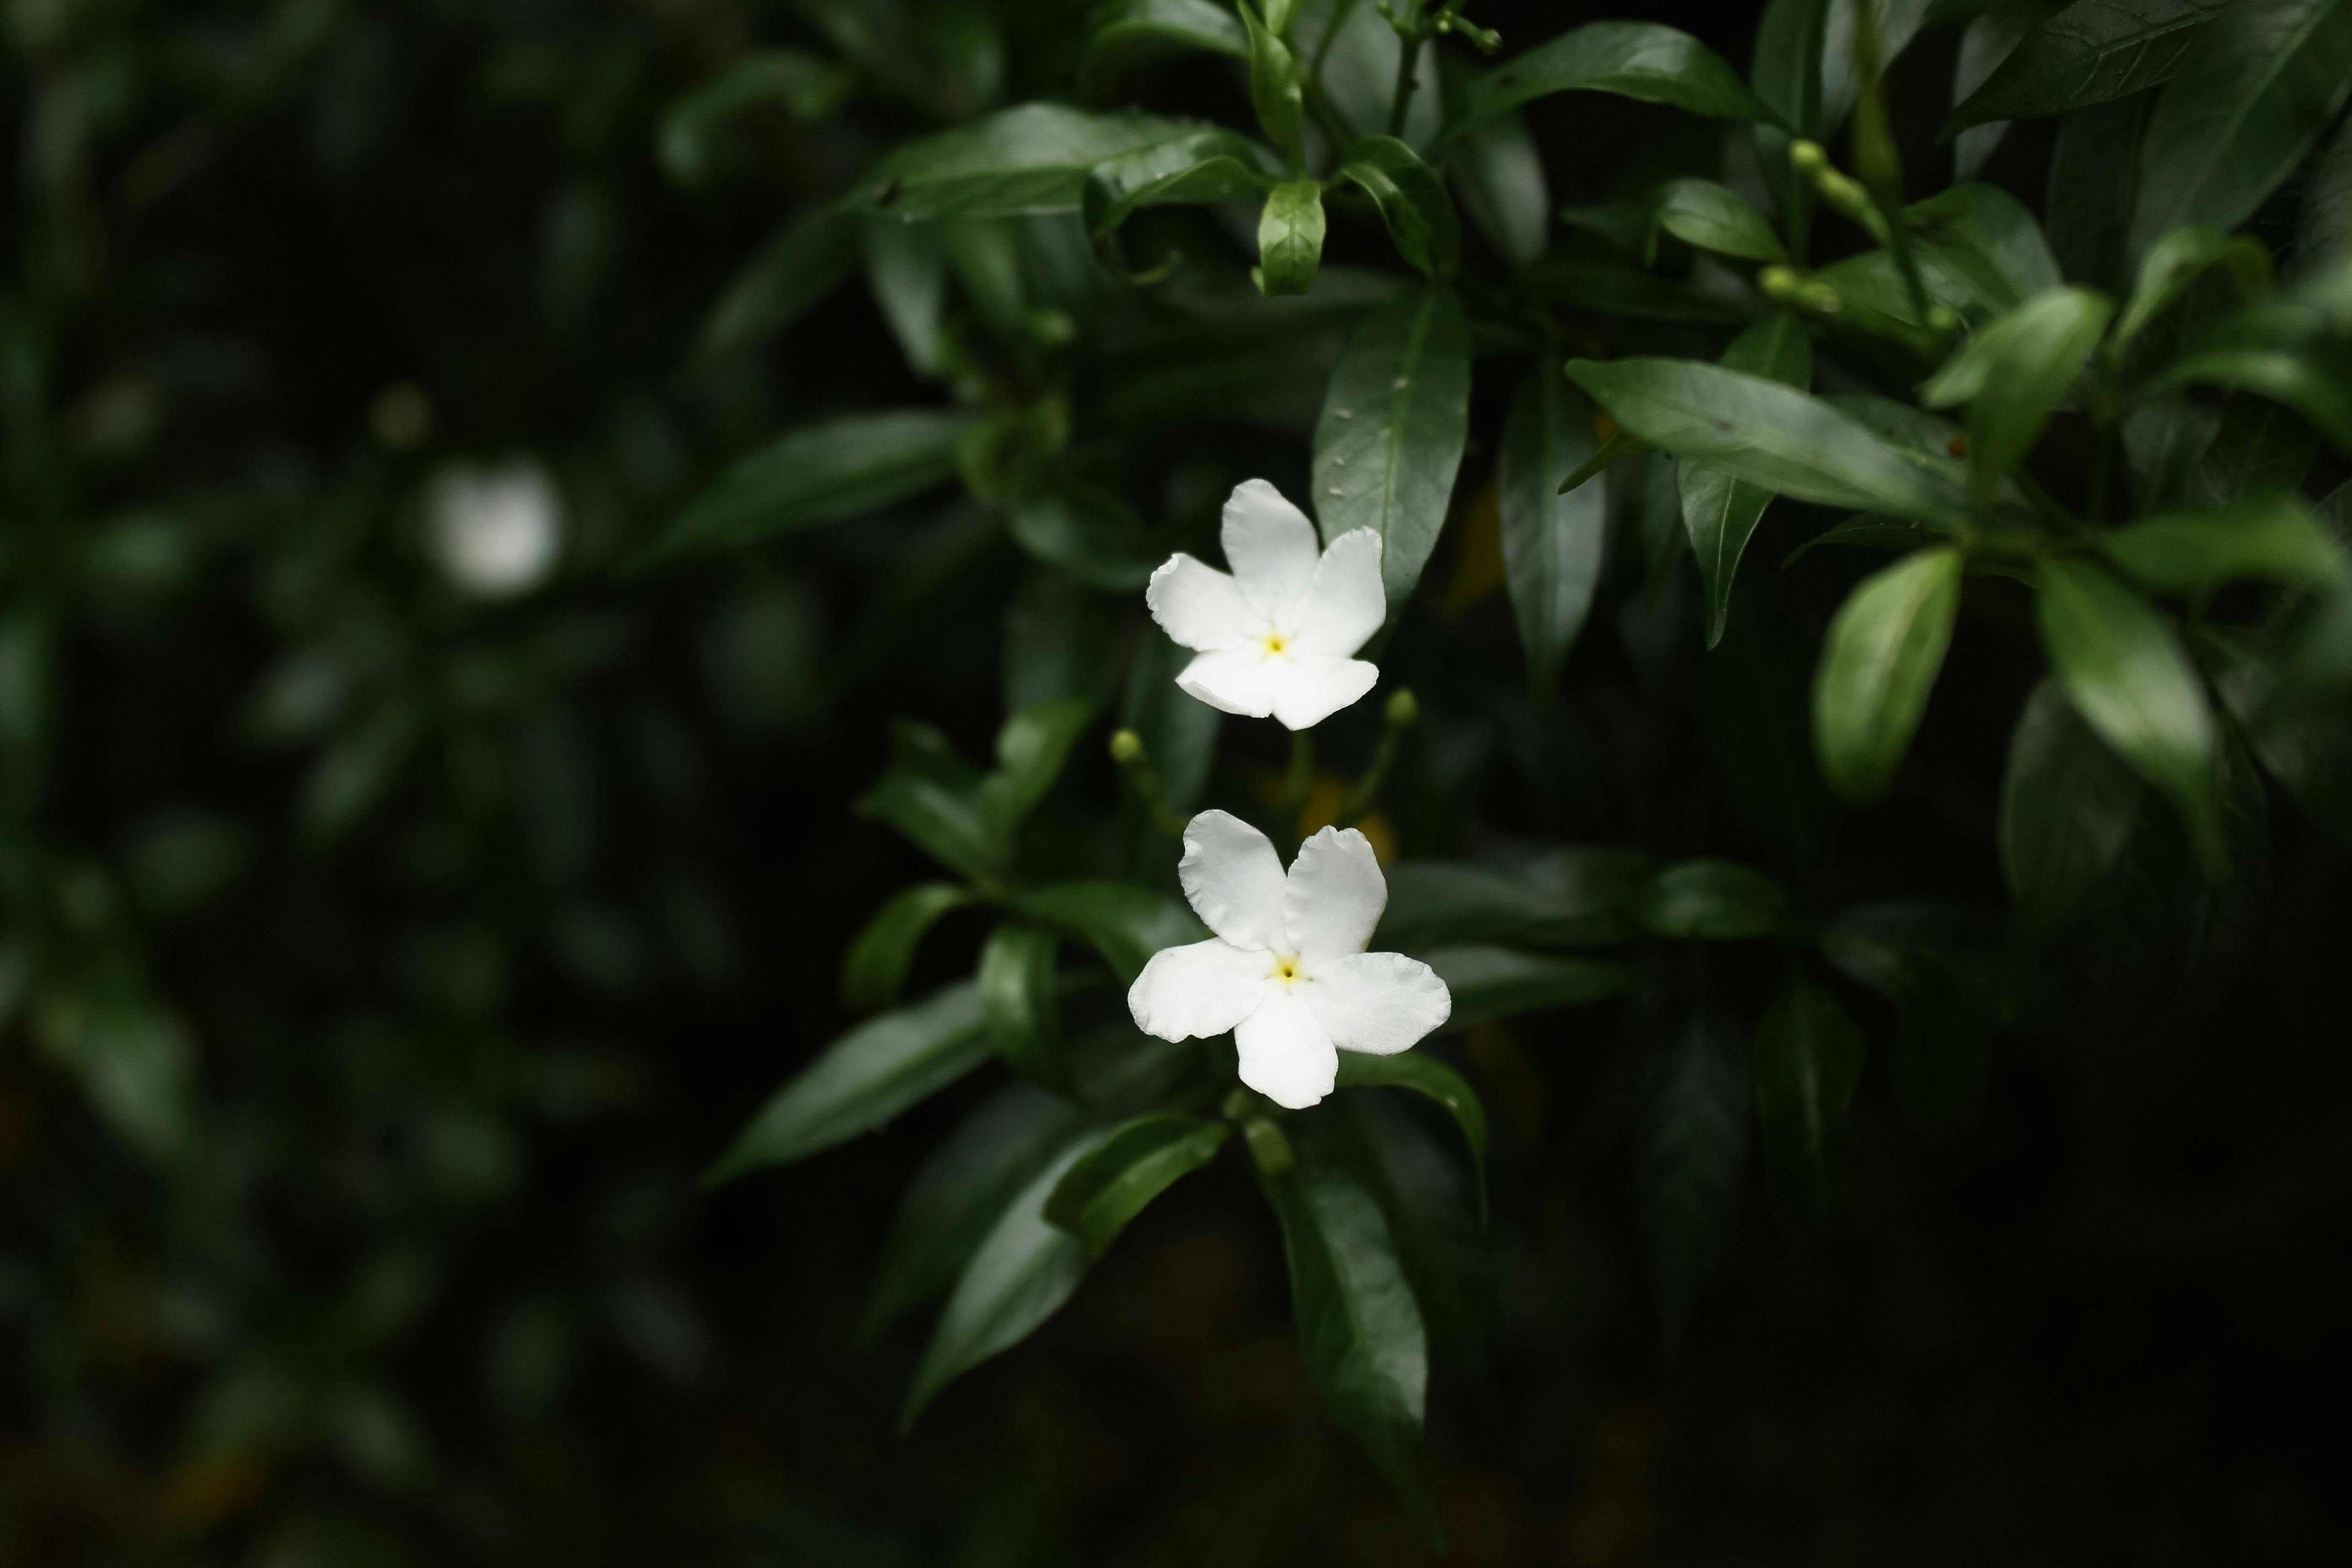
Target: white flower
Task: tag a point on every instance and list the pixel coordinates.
(494, 530)
(1286, 971)
(1275, 637)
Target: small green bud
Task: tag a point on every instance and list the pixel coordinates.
(1807, 158)
(1125, 748)
(1268, 1147)
(1943, 318)
(1404, 707)
(1780, 284)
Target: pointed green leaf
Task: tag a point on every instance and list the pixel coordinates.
(1124, 30)
(877, 962)
(1026, 160)
(1425, 1075)
(1717, 900)
(1091, 533)
(1499, 177)
(1029, 751)
(2123, 666)
(1276, 89)
(1552, 541)
(1572, 898)
(1720, 512)
(1808, 1061)
(2088, 52)
(2247, 102)
(1132, 1163)
(817, 474)
(1619, 447)
(863, 1080)
(1979, 250)
(2068, 805)
(1499, 982)
(1204, 167)
(1020, 1004)
(2175, 262)
(1290, 238)
(1885, 648)
(1631, 59)
(2094, 174)
(2271, 537)
(1359, 1328)
(808, 259)
(1390, 439)
(2014, 374)
(1019, 1276)
(809, 86)
(1710, 217)
(934, 797)
(1125, 924)
(1770, 435)
(1412, 202)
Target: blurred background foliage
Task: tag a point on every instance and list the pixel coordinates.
(392, 928)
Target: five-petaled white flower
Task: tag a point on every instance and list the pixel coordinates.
(1276, 636)
(1286, 971)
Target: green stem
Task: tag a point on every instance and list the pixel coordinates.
(1408, 57)
(1402, 711)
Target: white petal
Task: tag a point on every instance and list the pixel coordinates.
(1235, 681)
(1271, 547)
(1345, 604)
(1197, 991)
(1333, 897)
(1306, 690)
(1233, 881)
(1200, 606)
(1377, 1002)
(1285, 1055)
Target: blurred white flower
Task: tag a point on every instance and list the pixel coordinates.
(1286, 971)
(495, 528)
(1275, 637)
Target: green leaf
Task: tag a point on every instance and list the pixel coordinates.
(1204, 167)
(1499, 176)
(1412, 202)
(136, 1061)
(1180, 733)
(2124, 669)
(1390, 439)
(1989, 40)
(1885, 649)
(1125, 924)
(1029, 751)
(1571, 898)
(1093, 535)
(933, 797)
(2247, 104)
(2095, 174)
(1290, 238)
(2254, 445)
(2176, 261)
(1713, 217)
(2316, 385)
(1134, 1162)
(1720, 512)
(1359, 1328)
(2068, 807)
(2323, 234)
(1027, 160)
(863, 1080)
(2090, 52)
(1019, 1276)
(1808, 1062)
(1770, 435)
(1788, 64)
(1717, 900)
(959, 1193)
(1619, 447)
(810, 88)
(817, 474)
(1020, 1003)
(1979, 251)
(1691, 1155)
(1755, 704)
(1425, 1075)
(1499, 982)
(1276, 89)
(1632, 59)
(1125, 30)
(2028, 362)
(877, 962)
(1552, 541)
(808, 259)
(2272, 537)
(1898, 23)
(906, 272)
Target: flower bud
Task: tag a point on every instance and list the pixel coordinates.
(1125, 748)
(1807, 158)
(1404, 707)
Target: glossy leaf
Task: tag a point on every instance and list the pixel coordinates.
(1616, 449)
(1717, 900)
(2317, 385)
(1412, 200)
(1498, 982)
(1359, 1328)
(933, 797)
(2271, 537)
(815, 475)
(906, 272)
(2249, 101)
(1633, 59)
(1552, 541)
(1499, 177)
(1019, 1276)
(2164, 445)
(1125, 924)
(1770, 435)
(1393, 426)
(2122, 666)
(2068, 807)
(875, 966)
(1690, 1156)
(1204, 167)
(2094, 174)
(1275, 86)
(1092, 534)
(1133, 1163)
(1573, 898)
(1884, 650)
(1719, 511)
(2175, 262)
(863, 1080)
(1124, 30)
(2014, 374)
(1788, 64)
(1988, 40)
(1808, 1060)
(960, 1193)
(2091, 51)
(1031, 159)
(1020, 1003)
(1029, 751)
(792, 273)
(1979, 250)
(1425, 1075)
(1896, 22)
(1710, 217)
(1290, 237)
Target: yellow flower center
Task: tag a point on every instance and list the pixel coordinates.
(1275, 643)
(1287, 970)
